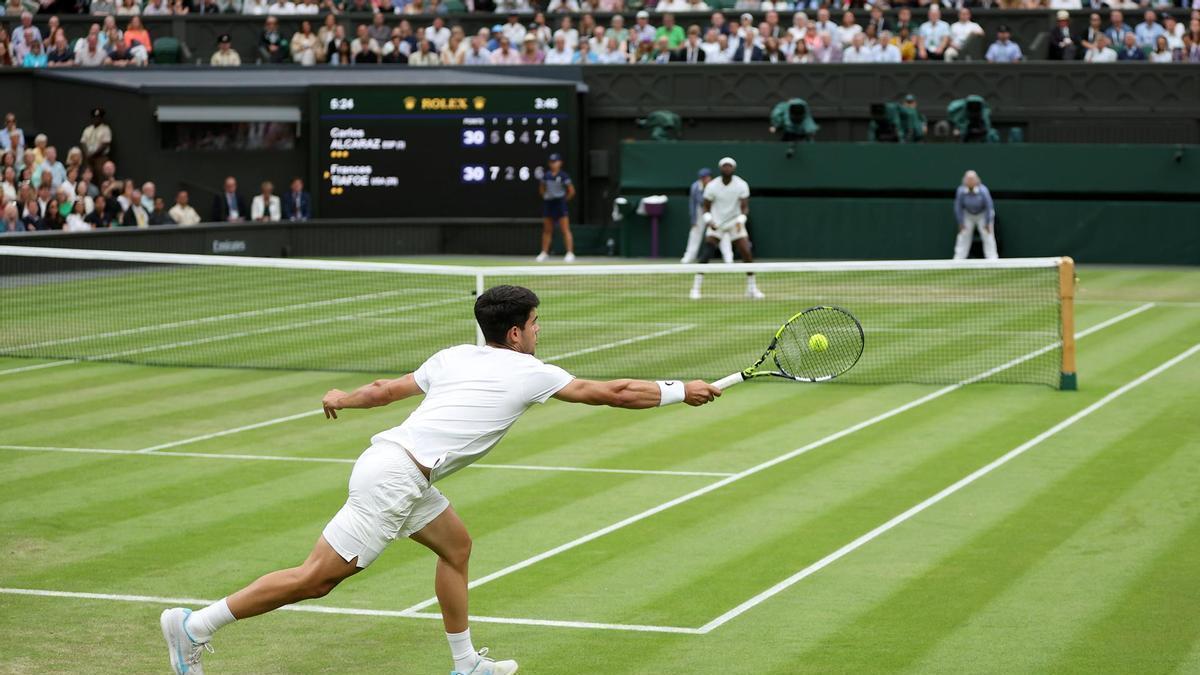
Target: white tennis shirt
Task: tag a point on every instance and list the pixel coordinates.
(473, 395)
(726, 200)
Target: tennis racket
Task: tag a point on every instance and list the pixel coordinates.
(800, 353)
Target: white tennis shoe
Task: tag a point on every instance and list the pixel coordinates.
(694, 294)
(754, 294)
(486, 666)
(543, 256)
(569, 257)
(185, 654)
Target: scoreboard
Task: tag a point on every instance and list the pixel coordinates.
(438, 151)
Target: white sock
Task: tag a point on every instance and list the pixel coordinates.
(698, 281)
(201, 624)
(462, 650)
(750, 285)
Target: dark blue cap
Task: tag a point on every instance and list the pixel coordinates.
(555, 157)
(704, 172)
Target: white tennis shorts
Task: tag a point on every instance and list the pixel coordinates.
(389, 498)
(730, 229)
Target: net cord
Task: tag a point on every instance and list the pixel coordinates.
(541, 270)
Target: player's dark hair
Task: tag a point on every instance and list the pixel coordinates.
(502, 307)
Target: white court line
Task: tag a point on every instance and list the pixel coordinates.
(38, 366)
(515, 567)
(234, 430)
(353, 611)
(621, 343)
(943, 493)
(211, 319)
(342, 460)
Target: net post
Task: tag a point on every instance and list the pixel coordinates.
(1066, 294)
(478, 292)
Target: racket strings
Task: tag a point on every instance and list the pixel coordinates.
(798, 354)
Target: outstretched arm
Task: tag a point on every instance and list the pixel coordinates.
(634, 394)
(379, 392)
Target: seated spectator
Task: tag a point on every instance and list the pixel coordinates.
(505, 55)
(8, 183)
(135, 214)
(1130, 50)
(128, 8)
(334, 48)
(613, 53)
(858, 52)
(1062, 43)
(6, 58)
(31, 217)
(566, 30)
(182, 213)
(1117, 28)
(1100, 51)
(935, 34)
(477, 53)
(380, 32)
(229, 205)
(296, 205)
(225, 55)
(395, 51)
(1173, 31)
(60, 54)
(25, 33)
(283, 8)
(424, 56)
(531, 54)
(691, 51)
(366, 50)
(149, 193)
(54, 168)
(559, 54)
(661, 52)
(1162, 53)
(136, 34)
(642, 31)
(91, 54)
(255, 7)
(961, 31)
(328, 25)
(886, 50)
(847, 30)
(11, 222)
(272, 46)
(746, 52)
(156, 8)
(1148, 31)
(12, 138)
(266, 207)
(772, 52)
(35, 57)
(76, 218)
(827, 51)
(1003, 50)
(342, 57)
(81, 195)
(99, 217)
(306, 48)
(513, 29)
(584, 54)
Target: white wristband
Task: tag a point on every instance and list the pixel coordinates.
(671, 391)
(707, 218)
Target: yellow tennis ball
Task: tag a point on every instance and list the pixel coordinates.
(818, 342)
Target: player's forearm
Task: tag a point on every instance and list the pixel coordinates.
(370, 395)
(634, 394)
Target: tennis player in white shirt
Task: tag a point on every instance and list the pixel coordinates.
(726, 210)
(473, 394)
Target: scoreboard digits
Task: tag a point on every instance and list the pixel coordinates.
(438, 151)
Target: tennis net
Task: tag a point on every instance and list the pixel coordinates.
(933, 322)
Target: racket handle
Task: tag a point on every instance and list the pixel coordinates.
(728, 381)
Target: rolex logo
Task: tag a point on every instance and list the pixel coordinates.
(479, 102)
(410, 102)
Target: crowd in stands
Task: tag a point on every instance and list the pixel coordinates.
(43, 190)
(821, 34)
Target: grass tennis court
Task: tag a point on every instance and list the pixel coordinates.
(1077, 554)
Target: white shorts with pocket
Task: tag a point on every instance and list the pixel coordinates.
(389, 498)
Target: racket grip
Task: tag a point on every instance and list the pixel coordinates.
(728, 381)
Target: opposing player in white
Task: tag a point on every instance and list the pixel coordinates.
(696, 213)
(726, 210)
(473, 395)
